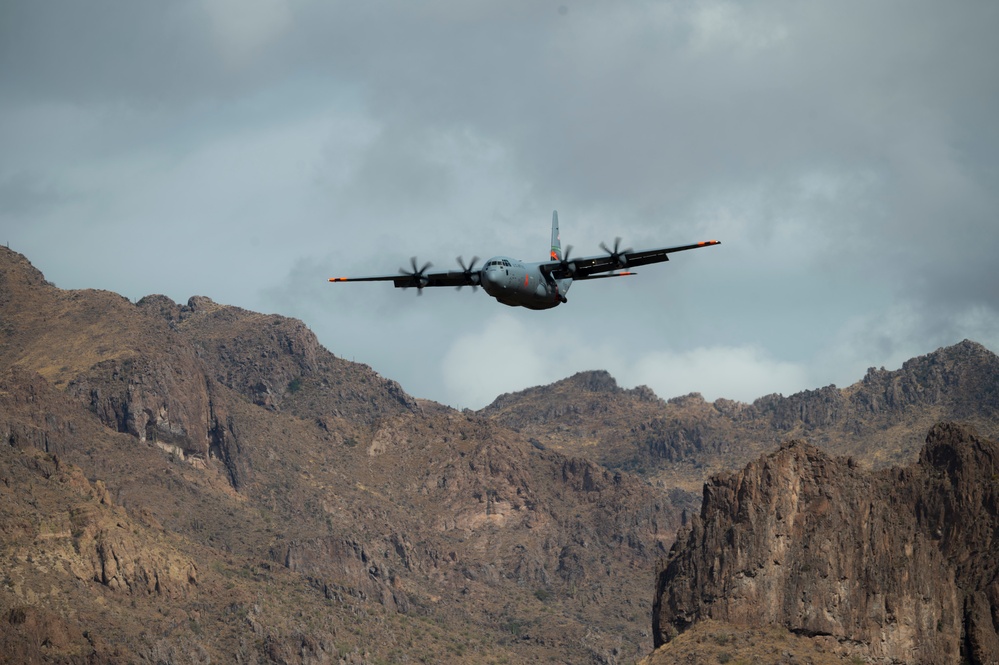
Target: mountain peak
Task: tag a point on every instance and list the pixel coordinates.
(962, 352)
(594, 381)
(16, 269)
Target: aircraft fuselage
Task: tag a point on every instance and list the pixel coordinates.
(520, 284)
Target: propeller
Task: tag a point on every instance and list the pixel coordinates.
(617, 255)
(566, 264)
(417, 274)
(470, 273)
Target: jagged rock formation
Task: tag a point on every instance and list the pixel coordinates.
(165, 402)
(598, 384)
(269, 359)
(95, 543)
(901, 561)
(880, 420)
(961, 379)
(580, 407)
(585, 415)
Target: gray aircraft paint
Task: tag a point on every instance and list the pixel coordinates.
(533, 285)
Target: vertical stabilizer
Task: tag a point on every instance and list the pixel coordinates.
(556, 254)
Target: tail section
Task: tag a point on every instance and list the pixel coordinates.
(556, 254)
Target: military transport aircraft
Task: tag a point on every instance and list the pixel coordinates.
(540, 285)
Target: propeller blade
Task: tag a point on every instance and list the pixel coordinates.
(470, 266)
(566, 263)
(469, 272)
(416, 274)
(617, 255)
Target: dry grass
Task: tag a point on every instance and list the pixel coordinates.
(710, 642)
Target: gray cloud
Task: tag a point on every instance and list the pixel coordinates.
(24, 194)
(844, 153)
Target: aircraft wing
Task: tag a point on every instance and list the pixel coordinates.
(417, 280)
(593, 267)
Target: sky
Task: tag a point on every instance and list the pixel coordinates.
(846, 154)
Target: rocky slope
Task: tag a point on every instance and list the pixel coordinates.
(900, 562)
(252, 494)
(197, 482)
(879, 420)
(711, 641)
(587, 414)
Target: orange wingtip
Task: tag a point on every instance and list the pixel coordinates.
(709, 242)
(339, 279)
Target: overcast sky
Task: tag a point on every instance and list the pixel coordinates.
(845, 153)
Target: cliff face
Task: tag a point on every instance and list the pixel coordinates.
(901, 561)
(164, 400)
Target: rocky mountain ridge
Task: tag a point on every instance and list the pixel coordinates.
(879, 420)
(328, 516)
(187, 483)
(900, 561)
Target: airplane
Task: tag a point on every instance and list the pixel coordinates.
(538, 285)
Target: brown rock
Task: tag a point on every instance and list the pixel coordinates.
(899, 560)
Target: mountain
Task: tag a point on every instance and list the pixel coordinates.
(195, 483)
(880, 420)
(584, 414)
(900, 564)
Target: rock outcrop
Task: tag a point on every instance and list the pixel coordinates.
(87, 535)
(163, 401)
(879, 420)
(276, 362)
(901, 561)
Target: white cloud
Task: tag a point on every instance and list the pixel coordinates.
(740, 373)
(889, 337)
(506, 355)
(502, 356)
